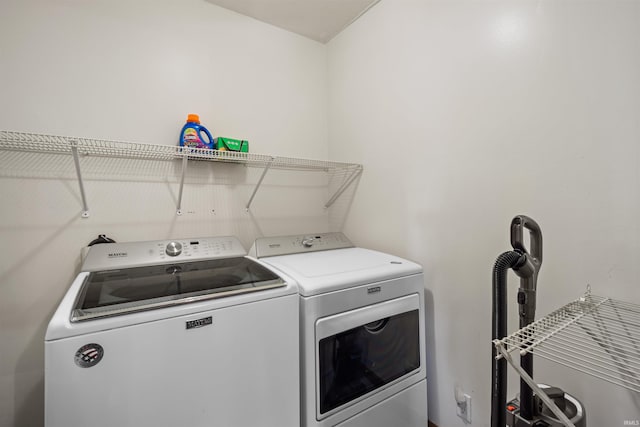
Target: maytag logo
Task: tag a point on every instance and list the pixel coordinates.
(117, 254)
(632, 422)
(191, 324)
(373, 289)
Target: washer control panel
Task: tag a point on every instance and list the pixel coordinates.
(287, 245)
(109, 256)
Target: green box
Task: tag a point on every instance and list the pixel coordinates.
(230, 144)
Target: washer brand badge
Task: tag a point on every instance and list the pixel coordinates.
(89, 355)
(117, 254)
(373, 290)
(274, 245)
(191, 324)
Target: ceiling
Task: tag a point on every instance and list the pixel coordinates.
(318, 20)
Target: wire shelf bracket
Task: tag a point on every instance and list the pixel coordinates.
(182, 174)
(255, 190)
(76, 161)
(355, 173)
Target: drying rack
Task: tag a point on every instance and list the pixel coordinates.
(83, 147)
(595, 335)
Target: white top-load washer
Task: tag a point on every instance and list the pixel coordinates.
(361, 331)
(187, 333)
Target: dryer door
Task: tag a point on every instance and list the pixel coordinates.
(364, 350)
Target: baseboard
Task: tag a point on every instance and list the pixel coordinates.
(432, 424)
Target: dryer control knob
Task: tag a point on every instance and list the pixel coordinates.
(174, 249)
(307, 242)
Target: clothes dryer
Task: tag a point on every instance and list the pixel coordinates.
(362, 336)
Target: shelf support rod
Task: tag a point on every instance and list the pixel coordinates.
(354, 174)
(255, 190)
(76, 161)
(184, 170)
(539, 392)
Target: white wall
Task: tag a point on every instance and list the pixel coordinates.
(126, 70)
(466, 113)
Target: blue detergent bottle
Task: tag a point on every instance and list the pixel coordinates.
(192, 134)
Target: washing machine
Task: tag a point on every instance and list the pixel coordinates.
(362, 339)
(188, 333)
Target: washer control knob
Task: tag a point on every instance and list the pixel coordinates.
(307, 242)
(174, 249)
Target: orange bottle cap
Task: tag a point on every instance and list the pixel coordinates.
(193, 118)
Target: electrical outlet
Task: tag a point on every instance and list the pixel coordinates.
(464, 409)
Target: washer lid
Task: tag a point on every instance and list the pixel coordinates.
(332, 270)
(127, 290)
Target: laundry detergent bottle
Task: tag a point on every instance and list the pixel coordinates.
(192, 134)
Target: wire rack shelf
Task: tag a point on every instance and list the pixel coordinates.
(42, 143)
(595, 335)
(80, 147)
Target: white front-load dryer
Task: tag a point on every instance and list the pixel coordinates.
(187, 333)
(361, 331)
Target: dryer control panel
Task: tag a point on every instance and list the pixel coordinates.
(287, 245)
(109, 256)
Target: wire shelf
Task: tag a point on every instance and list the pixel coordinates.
(595, 335)
(41, 143)
(83, 147)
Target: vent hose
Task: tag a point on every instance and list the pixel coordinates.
(504, 262)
